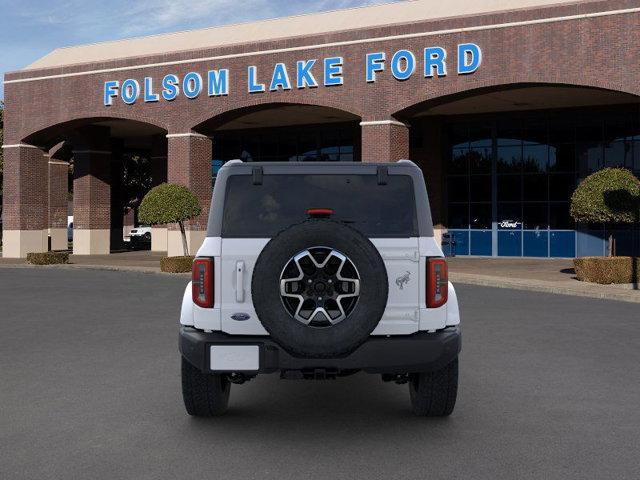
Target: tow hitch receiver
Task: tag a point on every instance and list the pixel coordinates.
(311, 374)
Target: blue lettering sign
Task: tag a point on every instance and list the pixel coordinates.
(170, 87)
(280, 78)
(403, 64)
(218, 82)
(469, 58)
(333, 71)
(375, 63)
(192, 85)
(304, 76)
(130, 91)
(110, 92)
(149, 96)
(254, 86)
(434, 59)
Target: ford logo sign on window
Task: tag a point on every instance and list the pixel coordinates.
(509, 224)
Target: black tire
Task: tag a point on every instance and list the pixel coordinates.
(147, 236)
(433, 394)
(204, 394)
(308, 341)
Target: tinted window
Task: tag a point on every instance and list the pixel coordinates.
(282, 200)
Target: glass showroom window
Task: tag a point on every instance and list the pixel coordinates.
(331, 143)
(510, 178)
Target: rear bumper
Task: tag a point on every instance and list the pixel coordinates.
(420, 352)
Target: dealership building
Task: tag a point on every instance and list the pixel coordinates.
(504, 104)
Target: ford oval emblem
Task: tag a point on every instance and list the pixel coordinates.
(240, 317)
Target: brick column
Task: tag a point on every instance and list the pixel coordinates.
(428, 153)
(25, 210)
(92, 192)
(59, 157)
(91, 202)
(58, 191)
(384, 141)
(159, 159)
(117, 208)
(189, 164)
(159, 175)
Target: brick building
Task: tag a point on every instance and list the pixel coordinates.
(504, 104)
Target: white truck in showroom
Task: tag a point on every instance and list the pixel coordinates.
(316, 271)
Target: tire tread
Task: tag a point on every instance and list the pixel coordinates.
(204, 395)
(434, 394)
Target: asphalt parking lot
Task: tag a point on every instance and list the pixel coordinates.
(90, 388)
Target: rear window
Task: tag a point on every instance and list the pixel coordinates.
(264, 210)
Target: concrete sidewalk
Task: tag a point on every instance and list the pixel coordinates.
(538, 275)
(137, 261)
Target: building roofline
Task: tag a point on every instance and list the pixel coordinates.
(229, 25)
(283, 28)
(23, 75)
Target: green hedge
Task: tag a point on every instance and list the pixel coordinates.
(607, 270)
(176, 264)
(48, 258)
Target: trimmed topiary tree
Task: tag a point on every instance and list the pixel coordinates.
(170, 203)
(611, 195)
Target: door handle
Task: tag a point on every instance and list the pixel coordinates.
(240, 281)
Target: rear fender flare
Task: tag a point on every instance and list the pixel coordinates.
(186, 312)
(453, 312)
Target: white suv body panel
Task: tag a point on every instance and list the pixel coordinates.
(404, 258)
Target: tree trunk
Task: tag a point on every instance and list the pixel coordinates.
(610, 246)
(185, 247)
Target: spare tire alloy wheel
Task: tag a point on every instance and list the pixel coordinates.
(319, 288)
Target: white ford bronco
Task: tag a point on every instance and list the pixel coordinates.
(315, 271)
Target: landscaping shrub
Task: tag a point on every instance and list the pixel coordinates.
(176, 264)
(607, 270)
(48, 258)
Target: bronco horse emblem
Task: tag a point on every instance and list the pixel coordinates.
(402, 280)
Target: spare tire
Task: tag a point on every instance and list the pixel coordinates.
(319, 288)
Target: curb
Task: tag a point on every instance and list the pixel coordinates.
(111, 268)
(603, 292)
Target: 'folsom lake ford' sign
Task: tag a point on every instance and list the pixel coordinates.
(215, 83)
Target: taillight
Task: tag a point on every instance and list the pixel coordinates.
(320, 212)
(202, 282)
(437, 282)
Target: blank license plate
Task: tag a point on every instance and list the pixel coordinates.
(234, 358)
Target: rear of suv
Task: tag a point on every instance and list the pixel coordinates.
(320, 270)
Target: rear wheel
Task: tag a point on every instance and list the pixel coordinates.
(433, 394)
(204, 394)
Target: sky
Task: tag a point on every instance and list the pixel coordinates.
(29, 29)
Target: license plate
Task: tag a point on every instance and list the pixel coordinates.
(234, 358)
